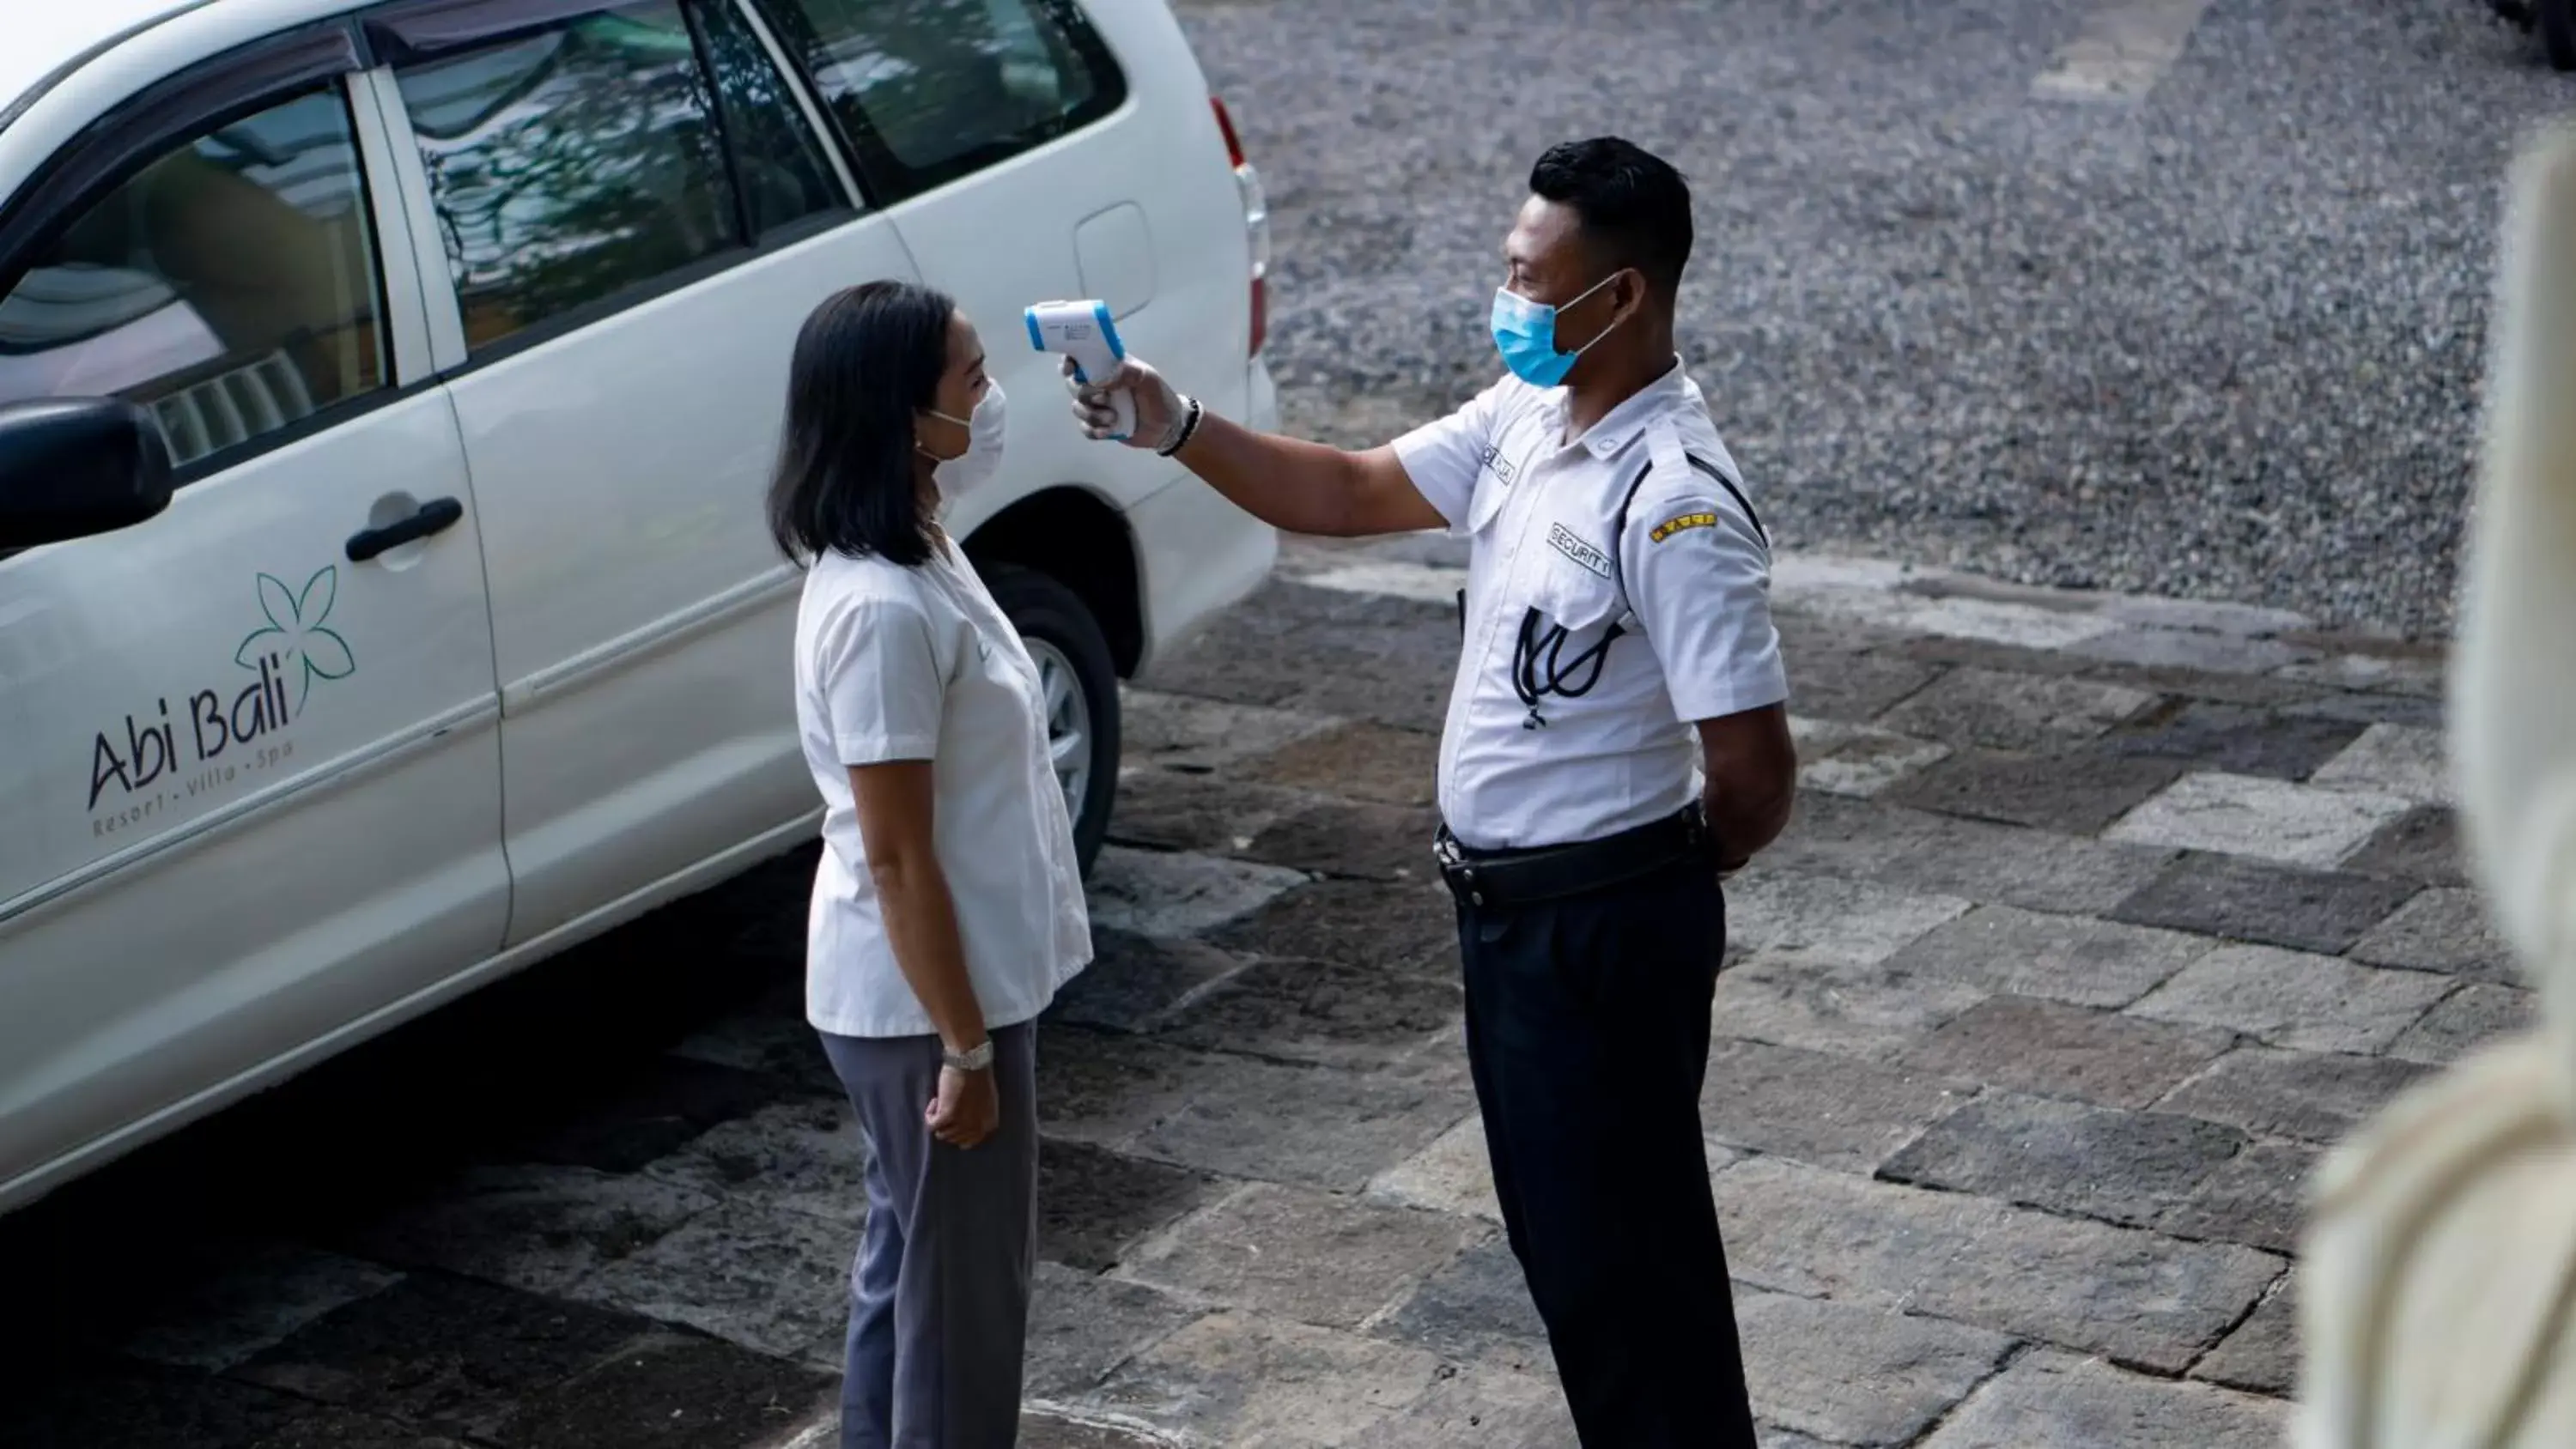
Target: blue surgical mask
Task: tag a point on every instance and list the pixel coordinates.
(1525, 333)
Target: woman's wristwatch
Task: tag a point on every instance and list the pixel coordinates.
(974, 1059)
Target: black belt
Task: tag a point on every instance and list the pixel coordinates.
(1503, 878)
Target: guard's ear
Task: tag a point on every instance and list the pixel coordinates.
(1634, 294)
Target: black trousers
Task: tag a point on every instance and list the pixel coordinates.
(1587, 1031)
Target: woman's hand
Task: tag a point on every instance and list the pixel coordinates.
(968, 1108)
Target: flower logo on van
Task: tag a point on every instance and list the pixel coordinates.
(298, 640)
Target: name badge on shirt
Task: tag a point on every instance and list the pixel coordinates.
(1585, 556)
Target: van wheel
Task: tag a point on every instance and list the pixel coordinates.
(1081, 687)
(2558, 32)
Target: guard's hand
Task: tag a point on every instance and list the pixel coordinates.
(967, 1109)
(1158, 407)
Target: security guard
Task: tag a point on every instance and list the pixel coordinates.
(1617, 742)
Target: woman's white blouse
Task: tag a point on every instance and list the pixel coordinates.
(897, 663)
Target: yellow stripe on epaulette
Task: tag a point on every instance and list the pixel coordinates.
(1671, 526)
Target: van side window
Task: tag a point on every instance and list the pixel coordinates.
(604, 155)
(229, 285)
(780, 160)
(930, 90)
(571, 165)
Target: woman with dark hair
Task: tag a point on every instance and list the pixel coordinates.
(948, 908)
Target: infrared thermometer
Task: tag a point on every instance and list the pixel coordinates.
(1082, 331)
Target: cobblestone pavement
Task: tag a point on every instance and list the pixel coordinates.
(2100, 917)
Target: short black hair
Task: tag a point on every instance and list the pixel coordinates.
(1634, 206)
(866, 360)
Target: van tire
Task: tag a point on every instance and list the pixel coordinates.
(1053, 621)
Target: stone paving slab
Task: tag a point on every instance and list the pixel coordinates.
(2401, 760)
(2236, 739)
(1084, 1326)
(2235, 898)
(1358, 761)
(1396, 925)
(1174, 894)
(1820, 1107)
(1838, 758)
(538, 1227)
(1258, 1247)
(1094, 1205)
(2047, 1048)
(2098, 920)
(1926, 853)
(2073, 959)
(2127, 1168)
(2262, 1355)
(1474, 1309)
(125, 1403)
(1327, 1013)
(1484, 1407)
(2259, 1198)
(1799, 921)
(2052, 1401)
(1452, 1175)
(670, 1391)
(2138, 1296)
(1240, 1379)
(1856, 1010)
(2295, 999)
(768, 1279)
(450, 1354)
(1999, 710)
(2266, 819)
(798, 1156)
(2307, 1096)
(2441, 930)
(1851, 1375)
(253, 1302)
(2074, 794)
(2465, 1020)
(2422, 844)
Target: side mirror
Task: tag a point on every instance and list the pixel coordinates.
(72, 467)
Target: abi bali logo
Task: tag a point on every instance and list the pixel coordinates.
(229, 729)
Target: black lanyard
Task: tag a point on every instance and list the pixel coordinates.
(1537, 646)
(1566, 679)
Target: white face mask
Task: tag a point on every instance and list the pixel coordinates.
(983, 455)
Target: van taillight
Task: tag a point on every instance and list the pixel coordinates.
(1256, 222)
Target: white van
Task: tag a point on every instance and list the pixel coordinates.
(387, 393)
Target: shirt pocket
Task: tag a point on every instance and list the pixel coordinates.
(1570, 578)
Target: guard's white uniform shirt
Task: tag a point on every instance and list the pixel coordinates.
(1687, 585)
(897, 663)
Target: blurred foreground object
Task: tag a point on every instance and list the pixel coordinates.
(2554, 19)
(2440, 1265)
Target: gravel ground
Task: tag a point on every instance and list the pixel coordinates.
(2223, 343)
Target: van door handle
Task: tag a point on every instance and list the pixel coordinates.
(436, 516)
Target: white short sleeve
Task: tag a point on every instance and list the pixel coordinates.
(1698, 574)
(877, 674)
(1444, 457)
